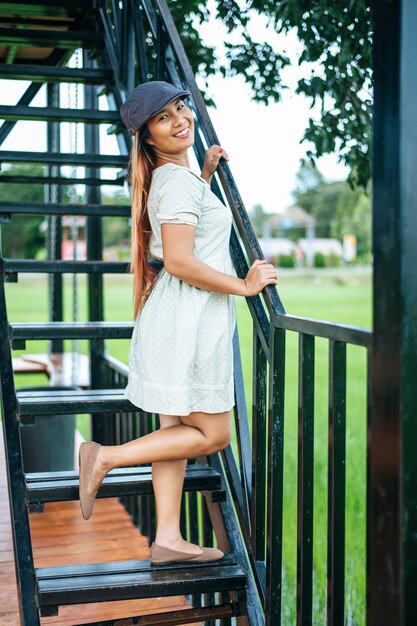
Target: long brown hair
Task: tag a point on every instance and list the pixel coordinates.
(141, 165)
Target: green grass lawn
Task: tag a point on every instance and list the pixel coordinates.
(343, 299)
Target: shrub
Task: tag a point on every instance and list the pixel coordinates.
(333, 260)
(286, 260)
(319, 259)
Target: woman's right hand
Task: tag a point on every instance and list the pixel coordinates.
(259, 276)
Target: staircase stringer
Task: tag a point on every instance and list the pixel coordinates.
(22, 544)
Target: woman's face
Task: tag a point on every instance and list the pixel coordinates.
(165, 126)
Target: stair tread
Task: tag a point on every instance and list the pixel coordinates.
(193, 469)
(65, 209)
(64, 158)
(42, 330)
(35, 403)
(64, 485)
(31, 113)
(26, 7)
(19, 333)
(118, 567)
(47, 37)
(52, 396)
(56, 73)
(91, 266)
(24, 262)
(59, 180)
(135, 579)
(22, 326)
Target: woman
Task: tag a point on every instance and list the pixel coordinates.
(180, 359)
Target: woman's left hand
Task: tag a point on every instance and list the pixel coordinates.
(212, 158)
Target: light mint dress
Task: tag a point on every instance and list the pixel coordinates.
(180, 357)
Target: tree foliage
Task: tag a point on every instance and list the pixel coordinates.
(258, 216)
(116, 230)
(22, 237)
(337, 208)
(336, 64)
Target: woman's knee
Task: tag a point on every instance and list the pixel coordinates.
(221, 440)
(215, 428)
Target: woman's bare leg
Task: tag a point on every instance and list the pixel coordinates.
(197, 434)
(168, 482)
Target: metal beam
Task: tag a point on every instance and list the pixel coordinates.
(58, 180)
(45, 74)
(392, 434)
(63, 158)
(49, 38)
(50, 8)
(49, 114)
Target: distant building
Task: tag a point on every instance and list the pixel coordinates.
(326, 246)
(294, 217)
(71, 225)
(273, 247)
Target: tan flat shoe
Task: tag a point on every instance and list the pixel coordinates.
(87, 456)
(160, 555)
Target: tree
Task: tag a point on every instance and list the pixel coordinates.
(337, 208)
(116, 230)
(336, 37)
(258, 217)
(353, 216)
(21, 237)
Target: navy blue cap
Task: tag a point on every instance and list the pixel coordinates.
(147, 100)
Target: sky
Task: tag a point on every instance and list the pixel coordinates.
(262, 141)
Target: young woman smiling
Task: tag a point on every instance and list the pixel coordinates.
(180, 359)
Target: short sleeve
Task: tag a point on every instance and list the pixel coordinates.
(179, 198)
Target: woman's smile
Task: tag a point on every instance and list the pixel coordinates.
(183, 133)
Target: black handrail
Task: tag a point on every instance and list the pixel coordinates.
(229, 187)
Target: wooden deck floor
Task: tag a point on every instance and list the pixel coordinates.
(60, 536)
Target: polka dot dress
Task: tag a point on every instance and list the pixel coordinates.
(180, 357)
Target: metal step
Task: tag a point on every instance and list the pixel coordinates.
(18, 113)
(32, 37)
(64, 158)
(125, 580)
(202, 615)
(41, 22)
(59, 402)
(50, 8)
(8, 209)
(47, 74)
(19, 333)
(127, 481)
(59, 180)
(12, 267)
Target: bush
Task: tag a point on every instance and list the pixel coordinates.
(319, 259)
(333, 260)
(286, 260)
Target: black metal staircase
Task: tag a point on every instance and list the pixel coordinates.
(238, 497)
(36, 41)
